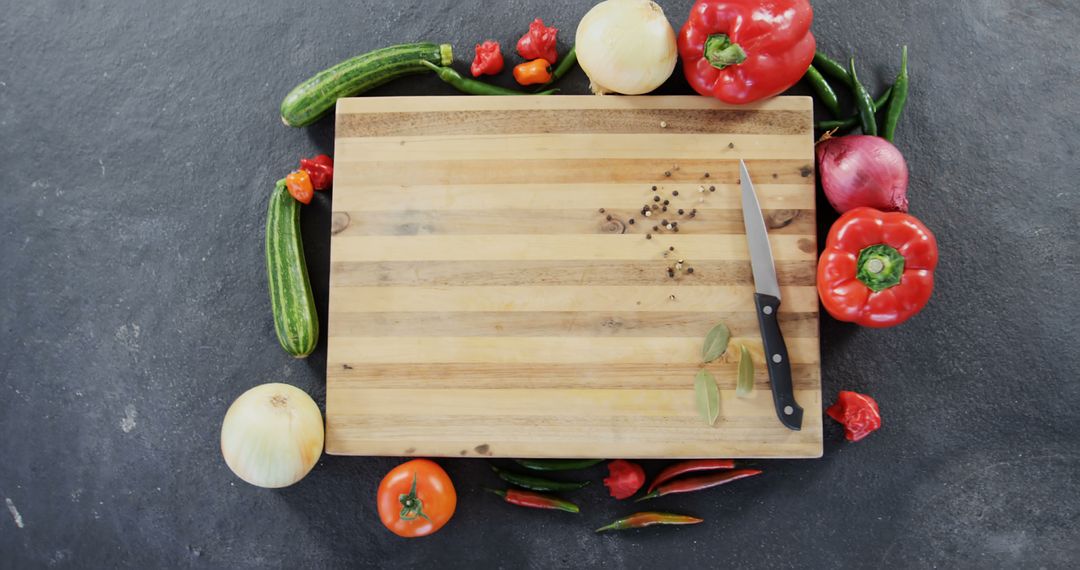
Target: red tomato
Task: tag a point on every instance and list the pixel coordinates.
(624, 478)
(416, 498)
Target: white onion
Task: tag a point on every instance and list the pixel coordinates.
(626, 46)
(272, 435)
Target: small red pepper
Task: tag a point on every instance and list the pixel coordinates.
(533, 72)
(698, 483)
(624, 478)
(858, 412)
(535, 500)
(641, 520)
(321, 170)
(539, 42)
(877, 269)
(299, 184)
(489, 59)
(674, 471)
(740, 51)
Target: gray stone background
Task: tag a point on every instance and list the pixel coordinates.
(139, 141)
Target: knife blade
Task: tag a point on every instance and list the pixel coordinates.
(767, 302)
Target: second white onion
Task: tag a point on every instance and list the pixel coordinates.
(626, 46)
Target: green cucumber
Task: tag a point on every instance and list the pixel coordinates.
(295, 319)
(314, 97)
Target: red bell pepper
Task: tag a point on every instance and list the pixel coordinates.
(539, 43)
(877, 269)
(740, 51)
(489, 59)
(858, 412)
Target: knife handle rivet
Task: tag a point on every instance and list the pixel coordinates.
(777, 358)
(767, 310)
(788, 410)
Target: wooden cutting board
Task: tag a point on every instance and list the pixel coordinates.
(483, 303)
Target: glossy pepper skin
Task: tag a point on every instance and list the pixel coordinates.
(489, 59)
(535, 500)
(534, 72)
(649, 518)
(877, 269)
(539, 42)
(624, 478)
(320, 169)
(858, 412)
(740, 51)
(299, 184)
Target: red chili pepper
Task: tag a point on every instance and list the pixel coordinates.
(533, 72)
(299, 184)
(674, 471)
(489, 59)
(744, 50)
(624, 478)
(321, 170)
(539, 42)
(858, 412)
(877, 269)
(698, 483)
(640, 520)
(535, 500)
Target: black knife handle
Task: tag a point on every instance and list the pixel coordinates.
(776, 360)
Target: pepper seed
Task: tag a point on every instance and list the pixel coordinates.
(647, 213)
(663, 124)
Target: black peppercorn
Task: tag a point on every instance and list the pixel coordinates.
(680, 211)
(668, 173)
(656, 199)
(631, 222)
(675, 193)
(601, 210)
(609, 217)
(706, 175)
(648, 236)
(654, 188)
(690, 270)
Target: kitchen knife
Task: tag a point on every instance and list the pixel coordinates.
(767, 300)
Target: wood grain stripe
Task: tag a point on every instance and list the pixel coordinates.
(544, 350)
(598, 298)
(652, 104)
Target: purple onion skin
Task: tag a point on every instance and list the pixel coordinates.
(862, 170)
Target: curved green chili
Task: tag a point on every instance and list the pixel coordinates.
(824, 91)
(474, 87)
(863, 102)
(831, 67)
(567, 63)
(537, 483)
(845, 124)
(899, 99)
(640, 520)
(557, 464)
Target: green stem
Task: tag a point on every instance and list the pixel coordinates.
(880, 267)
(721, 52)
(412, 507)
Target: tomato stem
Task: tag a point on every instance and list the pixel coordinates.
(412, 507)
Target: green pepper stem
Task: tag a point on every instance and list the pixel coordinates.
(721, 52)
(652, 495)
(880, 267)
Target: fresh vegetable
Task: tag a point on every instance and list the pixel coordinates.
(740, 51)
(537, 483)
(707, 394)
(539, 42)
(321, 170)
(862, 170)
(295, 319)
(272, 435)
(824, 91)
(533, 72)
(858, 412)
(488, 60)
(317, 95)
(416, 498)
(692, 484)
(691, 466)
(568, 62)
(624, 478)
(641, 520)
(850, 122)
(626, 46)
(899, 99)
(716, 342)
(557, 464)
(877, 269)
(828, 66)
(474, 87)
(535, 500)
(299, 184)
(864, 104)
(745, 384)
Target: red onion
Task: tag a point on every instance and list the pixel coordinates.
(862, 170)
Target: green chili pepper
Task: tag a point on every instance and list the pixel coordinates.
(535, 500)
(863, 103)
(565, 65)
(557, 464)
(831, 67)
(824, 91)
(537, 483)
(474, 87)
(844, 124)
(899, 99)
(639, 520)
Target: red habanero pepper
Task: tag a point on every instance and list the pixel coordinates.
(489, 59)
(858, 412)
(533, 72)
(699, 483)
(539, 42)
(877, 269)
(641, 520)
(321, 170)
(624, 478)
(535, 500)
(674, 471)
(299, 184)
(740, 51)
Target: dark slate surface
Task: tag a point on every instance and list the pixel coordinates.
(139, 143)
